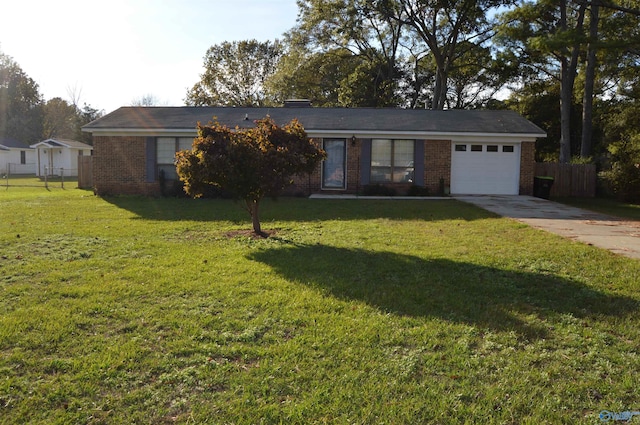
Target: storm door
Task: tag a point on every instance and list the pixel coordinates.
(334, 167)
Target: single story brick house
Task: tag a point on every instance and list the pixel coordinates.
(460, 151)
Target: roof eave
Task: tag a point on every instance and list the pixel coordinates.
(454, 136)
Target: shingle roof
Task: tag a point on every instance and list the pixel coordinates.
(12, 143)
(321, 119)
(55, 142)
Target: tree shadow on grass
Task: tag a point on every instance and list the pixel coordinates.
(459, 292)
(297, 209)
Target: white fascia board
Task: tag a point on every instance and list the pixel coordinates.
(455, 137)
(161, 132)
(45, 143)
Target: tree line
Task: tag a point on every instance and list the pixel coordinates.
(27, 117)
(570, 66)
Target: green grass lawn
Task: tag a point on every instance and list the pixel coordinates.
(134, 310)
(13, 182)
(605, 206)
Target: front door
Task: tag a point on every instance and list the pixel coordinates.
(334, 167)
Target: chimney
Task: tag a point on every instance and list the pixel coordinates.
(297, 103)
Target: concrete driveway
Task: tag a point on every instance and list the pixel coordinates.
(612, 233)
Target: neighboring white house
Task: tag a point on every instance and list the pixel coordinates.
(16, 157)
(59, 156)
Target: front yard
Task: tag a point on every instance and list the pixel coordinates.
(134, 310)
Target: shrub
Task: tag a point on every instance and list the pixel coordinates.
(418, 191)
(378, 190)
(623, 179)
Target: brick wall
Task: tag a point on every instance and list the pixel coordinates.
(527, 167)
(353, 166)
(437, 157)
(437, 164)
(119, 166)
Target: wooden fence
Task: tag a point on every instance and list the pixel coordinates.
(569, 179)
(85, 172)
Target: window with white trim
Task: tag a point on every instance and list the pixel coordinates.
(166, 148)
(392, 161)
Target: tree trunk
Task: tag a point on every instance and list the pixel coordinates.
(440, 90)
(437, 91)
(590, 76)
(252, 206)
(566, 95)
(569, 66)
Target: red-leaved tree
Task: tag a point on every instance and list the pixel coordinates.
(248, 163)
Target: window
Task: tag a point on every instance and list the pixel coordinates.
(392, 160)
(166, 148)
(23, 157)
(476, 148)
(461, 148)
(333, 168)
(507, 148)
(492, 148)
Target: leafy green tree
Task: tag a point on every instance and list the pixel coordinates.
(317, 76)
(60, 119)
(20, 103)
(449, 28)
(586, 45)
(368, 85)
(623, 177)
(248, 163)
(545, 38)
(65, 120)
(370, 65)
(477, 77)
(85, 115)
(235, 73)
(406, 51)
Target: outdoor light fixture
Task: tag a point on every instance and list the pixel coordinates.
(353, 140)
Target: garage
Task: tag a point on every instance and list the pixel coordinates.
(485, 168)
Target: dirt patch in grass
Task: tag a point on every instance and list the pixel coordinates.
(251, 234)
(55, 247)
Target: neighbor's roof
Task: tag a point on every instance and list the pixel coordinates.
(66, 143)
(7, 143)
(347, 121)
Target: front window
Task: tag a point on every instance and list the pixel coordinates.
(23, 157)
(166, 148)
(333, 168)
(392, 161)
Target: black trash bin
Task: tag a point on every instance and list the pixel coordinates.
(542, 186)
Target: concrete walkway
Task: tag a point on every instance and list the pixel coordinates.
(603, 231)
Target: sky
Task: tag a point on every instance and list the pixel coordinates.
(110, 53)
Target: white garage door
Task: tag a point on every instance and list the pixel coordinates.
(485, 169)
